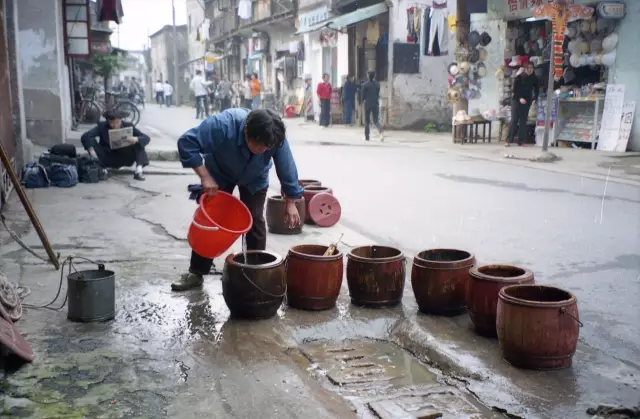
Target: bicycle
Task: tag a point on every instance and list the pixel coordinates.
(88, 110)
(120, 102)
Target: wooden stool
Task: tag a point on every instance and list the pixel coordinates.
(477, 122)
(462, 132)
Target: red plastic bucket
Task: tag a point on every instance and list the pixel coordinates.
(217, 224)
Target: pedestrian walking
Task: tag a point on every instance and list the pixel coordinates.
(324, 94)
(218, 151)
(245, 93)
(159, 92)
(371, 101)
(224, 93)
(168, 94)
(349, 91)
(526, 88)
(199, 88)
(308, 99)
(256, 91)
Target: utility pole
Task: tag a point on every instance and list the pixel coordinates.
(550, 98)
(176, 88)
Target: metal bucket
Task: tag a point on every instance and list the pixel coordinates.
(91, 295)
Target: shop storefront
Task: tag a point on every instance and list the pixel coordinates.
(580, 55)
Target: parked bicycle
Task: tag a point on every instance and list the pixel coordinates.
(89, 108)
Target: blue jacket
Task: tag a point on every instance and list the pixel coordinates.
(221, 141)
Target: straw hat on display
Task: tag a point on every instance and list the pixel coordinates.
(453, 95)
(574, 60)
(485, 39)
(475, 55)
(610, 42)
(474, 39)
(609, 58)
(482, 70)
(464, 67)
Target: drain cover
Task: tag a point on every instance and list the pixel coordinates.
(12, 339)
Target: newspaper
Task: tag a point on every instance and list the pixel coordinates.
(121, 137)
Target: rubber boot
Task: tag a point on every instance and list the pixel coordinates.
(187, 281)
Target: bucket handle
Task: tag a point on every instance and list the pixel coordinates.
(261, 290)
(564, 311)
(205, 228)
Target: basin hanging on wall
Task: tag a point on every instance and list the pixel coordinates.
(91, 295)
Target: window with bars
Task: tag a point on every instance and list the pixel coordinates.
(77, 30)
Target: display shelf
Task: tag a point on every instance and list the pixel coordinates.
(579, 120)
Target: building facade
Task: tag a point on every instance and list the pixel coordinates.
(197, 34)
(163, 62)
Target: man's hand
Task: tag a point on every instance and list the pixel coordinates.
(209, 186)
(291, 214)
(523, 101)
(134, 139)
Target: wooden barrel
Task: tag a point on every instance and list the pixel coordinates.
(538, 326)
(485, 282)
(313, 280)
(309, 192)
(376, 275)
(305, 182)
(439, 280)
(253, 290)
(275, 215)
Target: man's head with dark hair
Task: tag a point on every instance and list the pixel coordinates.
(114, 118)
(371, 74)
(264, 130)
(166, 81)
(198, 72)
(325, 77)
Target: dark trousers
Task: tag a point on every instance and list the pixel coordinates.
(121, 157)
(325, 112)
(168, 100)
(225, 103)
(246, 103)
(348, 104)
(370, 111)
(160, 98)
(519, 117)
(202, 107)
(256, 237)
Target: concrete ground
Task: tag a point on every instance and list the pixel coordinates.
(179, 355)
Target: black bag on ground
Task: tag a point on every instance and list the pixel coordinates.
(88, 170)
(47, 160)
(67, 150)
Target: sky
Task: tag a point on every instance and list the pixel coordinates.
(142, 18)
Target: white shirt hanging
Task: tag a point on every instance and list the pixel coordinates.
(244, 9)
(205, 29)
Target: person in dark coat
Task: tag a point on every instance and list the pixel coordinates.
(525, 91)
(101, 150)
(237, 148)
(349, 91)
(371, 100)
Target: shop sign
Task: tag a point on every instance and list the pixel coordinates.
(308, 19)
(611, 10)
(514, 6)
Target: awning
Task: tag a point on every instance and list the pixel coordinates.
(340, 22)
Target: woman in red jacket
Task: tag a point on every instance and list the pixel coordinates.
(324, 94)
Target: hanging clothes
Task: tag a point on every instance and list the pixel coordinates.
(438, 18)
(110, 10)
(412, 36)
(206, 29)
(244, 9)
(198, 37)
(426, 27)
(417, 15)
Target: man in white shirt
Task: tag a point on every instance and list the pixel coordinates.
(199, 88)
(159, 92)
(168, 94)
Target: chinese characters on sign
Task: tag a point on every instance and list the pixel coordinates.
(611, 117)
(313, 17)
(517, 5)
(628, 112)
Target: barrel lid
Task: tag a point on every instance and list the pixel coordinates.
(12, 339)
(324, 209)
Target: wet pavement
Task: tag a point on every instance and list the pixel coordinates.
(179, 355)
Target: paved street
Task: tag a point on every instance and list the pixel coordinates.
(179, 354)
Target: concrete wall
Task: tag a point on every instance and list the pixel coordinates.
(418, 99)
(45, 77)
(195, 18)
(628, 64)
